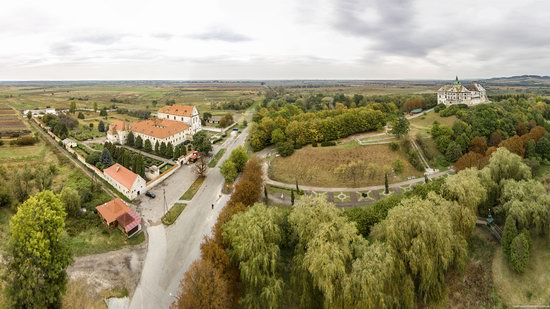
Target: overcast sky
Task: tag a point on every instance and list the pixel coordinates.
(274, 39)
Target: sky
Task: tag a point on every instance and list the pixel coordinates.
(272, 39)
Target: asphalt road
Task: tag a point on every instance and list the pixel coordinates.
(171, 250)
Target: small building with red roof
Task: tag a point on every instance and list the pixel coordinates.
(116, 213)
(125, 181)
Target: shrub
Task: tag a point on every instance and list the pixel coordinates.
(519, 252)
(328, 144)
(439, 108)
(25, 141)
(393, 146)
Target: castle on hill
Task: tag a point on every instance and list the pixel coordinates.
(459, 94)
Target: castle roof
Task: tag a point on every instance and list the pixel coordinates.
(122, 175)
(159, 128)
(178, 110)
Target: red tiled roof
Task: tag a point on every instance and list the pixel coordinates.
(178, 110)
(129, 220)
(113, 209)
(117, 125)
(122, 175)
(159, 128)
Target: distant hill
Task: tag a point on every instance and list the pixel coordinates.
(521, 80)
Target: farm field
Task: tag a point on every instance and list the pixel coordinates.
(10, 122)
(315, 166)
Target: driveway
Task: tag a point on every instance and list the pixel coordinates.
(172, 249)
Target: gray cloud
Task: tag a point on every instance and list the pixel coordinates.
(220, 35)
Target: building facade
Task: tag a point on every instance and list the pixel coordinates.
(459, 94)
(125, 181)
(153, 130)
(185, 113)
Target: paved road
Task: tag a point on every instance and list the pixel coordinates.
(172, 249)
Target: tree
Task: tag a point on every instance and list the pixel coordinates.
(70, 199)
(421, 237)
(162, 149)
(386, 185)
(37, 253)
(6, 197)
(292, 197)
(29, 115)
(101, 126)
(226, 120)
(509, 233)
(106, 158)
(277, 136)
(400, 127)
(466, 188)
(453, 151)
(471, 159)
(103, 112)
(353, 171)
(398, 166)
(201, 142)
(72, 107)
(130, 140)
(147, 145)
(478, 144)
(80, 115)
(206, 116)
(239, 156)
(138, 143)
(43, 178)
(201, 166)
(157, 148)
(285, 149)
(95, 107)
(203, 287)
(519, 252)
(254, 238)
(229, 171)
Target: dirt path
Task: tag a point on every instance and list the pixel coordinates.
(119, 270)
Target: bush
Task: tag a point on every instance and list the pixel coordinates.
(1, 142)
(25, 141)
(328, 144)
(519, 252)
(439, 108)
(393, 146)
(285, 149)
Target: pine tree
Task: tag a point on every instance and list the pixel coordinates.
(386, 185)
(169, 152)
(130, 139)
(292, 197)
(157, 148)
(106, 159)
(138, 143)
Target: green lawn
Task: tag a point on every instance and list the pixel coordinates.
(188, 195)
(12, 154)
(214, 161)
(172, 215)
(424, 123)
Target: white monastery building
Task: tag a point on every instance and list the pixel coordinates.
(185, 113)
(459, 94)
(125, 181)
(155, 130)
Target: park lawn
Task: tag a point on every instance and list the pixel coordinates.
(172, 215)
(315, 166)
(97, 239)
(529, 288)
(188, 195)
(424, 123)
(214, 161)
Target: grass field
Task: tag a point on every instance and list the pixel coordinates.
(315, 166)
(424, 123)
(97, 239)
(188, 195)
(530, 288)
(172, 215)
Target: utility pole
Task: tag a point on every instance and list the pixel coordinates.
(165, 205)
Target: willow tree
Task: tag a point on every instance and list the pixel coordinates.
(376, 282)
(254, 238)
(326, 245)
(420, 235)
(38, 253)
(466, 188)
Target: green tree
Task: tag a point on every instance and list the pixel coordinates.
(139, 143)
(285, 149)
(71, 200)
(420, 236)
(101, 126)
(37, 253)
(386, 184)
(95, 107)
(510, 232)
(72, 108)
(453, 151)
(147, 145)
(466, 188)
(254, 239)
(162, 149)
(80, 115)
(201, 142)
(103, 112)
(169, 151)
(400, 127)
(106, 158)
(130, 140)
(239, 156)
(229, 171)
(277, 136)
(520, 250)
(398, 166)
(157, 148)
